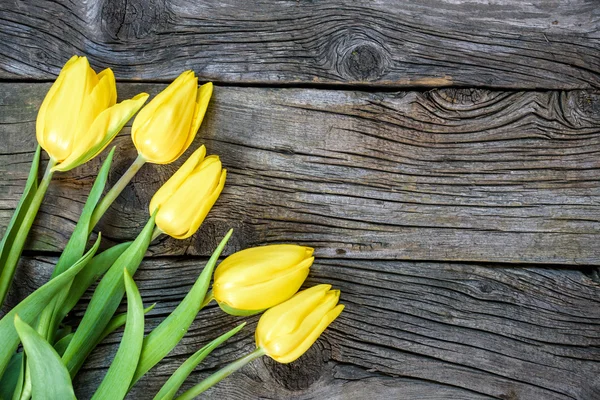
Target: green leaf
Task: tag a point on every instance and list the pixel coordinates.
(52, 315)
(95, 269)
(15, 223)
(32, 305)
(10, 379)
(169, 389)
(50, 379)
(114, 324)
(63, 343)
(106, 299)
(118, 321)
(165, 336)
(118, 377)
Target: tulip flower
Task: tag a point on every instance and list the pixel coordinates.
(287, 331)
(255, 279)
(284, 332)
(79, 116)
(166, 127)
(183, 202)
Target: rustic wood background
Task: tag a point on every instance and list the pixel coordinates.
(443, 157)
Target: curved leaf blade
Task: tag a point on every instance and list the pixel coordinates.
(165, 336)
(118, 377)
(50, 379)
(32, 305)
(170, 388)
(105, 300)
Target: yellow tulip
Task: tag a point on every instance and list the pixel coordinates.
(186, 198)
(166, 127)
(79, 116)
(255, 279)
(287, 331)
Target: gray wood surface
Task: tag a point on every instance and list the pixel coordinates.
(462, 175)
(410, 330)
(432, 43)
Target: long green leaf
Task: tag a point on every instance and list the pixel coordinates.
(10, 379)
(105, 300)
(95, 269)
(169, 389)
(17, 218)
(32, 305)
(50, 379)
(13, 252)
(52, 315)
(115, 323)
(165, 336)
(118, 321)
(116, 382)
(15, 221)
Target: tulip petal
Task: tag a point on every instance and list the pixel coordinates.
(41, 117)
(181, 214)
(202, 98)
(205, 207)
(249, 266)
(147, 112)
(312, 338)
(163, 137)
(175, 181)
(103, 130)
(288, 315)
(95, 103)
(62, 113)
(265, 294)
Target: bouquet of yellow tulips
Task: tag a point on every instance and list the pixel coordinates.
(77, 120)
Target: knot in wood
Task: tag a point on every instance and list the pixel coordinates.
(359, 57)
(133, 19)
(580, 108)
(302, 373)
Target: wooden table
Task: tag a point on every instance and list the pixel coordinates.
(443, 157)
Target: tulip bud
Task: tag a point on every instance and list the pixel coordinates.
(165, 128)
(78, 117)
(186, 198)
(287, 331)
(255, 279)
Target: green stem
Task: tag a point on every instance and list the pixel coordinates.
(210, 296)
(156, 233)
(116, 190)
(221, 374)
(12, 260)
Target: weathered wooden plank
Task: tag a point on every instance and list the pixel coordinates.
(415, 330)
(430, 43)
(440, 175)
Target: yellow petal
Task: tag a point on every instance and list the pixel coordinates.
(102, 131)
(202, 99)
(61, 112)
(108, 74)
(272, 289)
(169, 187)
(311, 338)
(285, 317)
(205, 207)
(164, 136)
(191, 201)
(256, 264)
(93, 104)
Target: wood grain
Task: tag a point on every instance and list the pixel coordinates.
(463, 175)
(413, 330)
(428, 43)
